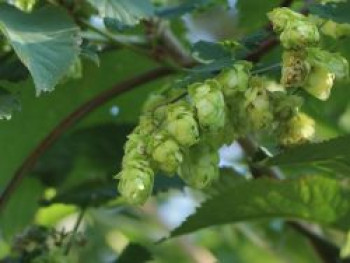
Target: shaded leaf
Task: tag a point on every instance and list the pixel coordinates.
(12, 69)
(336, 12)
(134, 253)
(312, 198)
(8, 104)
(90, 193)
(314, 152)
(46, 49)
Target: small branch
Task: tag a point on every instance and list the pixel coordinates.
(75, 231)
(72, 119)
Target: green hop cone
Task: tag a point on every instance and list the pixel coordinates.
(295, 69)
(320, 83)
(181, 124)
(166, 153)
(235, 79)
(325, 68)
(208, 100)
(284, 106)
(280, 17)
(136, 183)
(257, 104)
(335, 30)
(299, 129)
(200, 166)
(299, 34)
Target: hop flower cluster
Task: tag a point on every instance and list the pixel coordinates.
(180, 131)
(305, 65)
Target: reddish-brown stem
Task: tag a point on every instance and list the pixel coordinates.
(73, 118)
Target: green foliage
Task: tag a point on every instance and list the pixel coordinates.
(338, 13)
(314, 198)
(128, 12)
(47, 49)
(332, 149)
(66, 147)
(8, 104)
(134, 253)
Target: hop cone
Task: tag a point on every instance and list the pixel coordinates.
(295, 69)
(299, 129)
(166, 152)
(200, 166)
(209, 103)
(299, 34)
(136, 182)
(235, 79)
(181, 124)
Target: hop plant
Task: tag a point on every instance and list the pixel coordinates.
(235, 79)
(166, 152)
(200, 166)
(295, 69)
(299, 129)
(299, 34)
(209, 103)
(181, 124)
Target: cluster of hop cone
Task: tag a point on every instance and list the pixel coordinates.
(180, 131)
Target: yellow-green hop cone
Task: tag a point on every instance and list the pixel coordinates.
(326, 67)
(295, 69)
(181, 124)
(300, 34)
(200, 166)
(166, 153)
(257, 104)
(320, 83)
(208, 100)
(335, 30)
(235, 79)
(299, 129)
(136, 184)
(280, 17)
(284, 106)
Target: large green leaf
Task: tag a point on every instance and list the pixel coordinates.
(334, 149)
(46, 41)
(128, 12)
(313, 198)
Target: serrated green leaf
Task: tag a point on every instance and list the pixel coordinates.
(128, 12)
(337, 148)
(8, 104)
(336, 12)
(313, 198)
(134, 253)
(46, 41)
